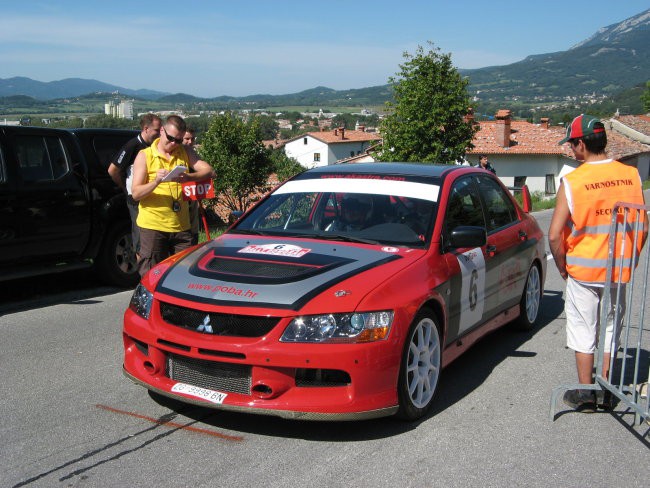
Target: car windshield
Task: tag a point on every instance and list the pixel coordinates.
(363, 210)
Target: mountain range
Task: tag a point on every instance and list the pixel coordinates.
(614, 59)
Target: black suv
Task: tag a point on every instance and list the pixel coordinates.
(59, 208)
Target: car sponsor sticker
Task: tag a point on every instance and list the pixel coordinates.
(198, 392)
(389, 249)
(472, 294)
(287, 250)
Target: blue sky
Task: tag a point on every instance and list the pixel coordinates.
(245, 47)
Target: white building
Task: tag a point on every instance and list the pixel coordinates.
(121, 109)
(327, 147)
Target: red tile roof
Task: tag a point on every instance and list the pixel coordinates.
(337, 136)
(525, 138)
(640, 123)
(621, 147)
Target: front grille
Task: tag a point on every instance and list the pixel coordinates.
(260, 269)
(213, 375)
(217, 323)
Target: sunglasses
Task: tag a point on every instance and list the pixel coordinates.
(177, 140)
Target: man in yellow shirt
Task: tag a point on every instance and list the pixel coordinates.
(163, 216)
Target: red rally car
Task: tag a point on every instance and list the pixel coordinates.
(341, 295)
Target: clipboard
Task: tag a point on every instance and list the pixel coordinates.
(174, 173)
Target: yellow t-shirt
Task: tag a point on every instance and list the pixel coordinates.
(156, 210)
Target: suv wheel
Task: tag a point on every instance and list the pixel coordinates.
(116, 262)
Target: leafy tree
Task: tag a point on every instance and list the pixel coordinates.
(283, 166)
(200, 125)
(70, 123)
(645, 98)
(108, 122)
(349, 121)
(268, 127)
(234, 149)
(426, 121)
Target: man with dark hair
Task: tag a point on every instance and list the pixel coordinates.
(163, 217)
(485, 164)
(579, 236)
(121, 168)
(189, 139)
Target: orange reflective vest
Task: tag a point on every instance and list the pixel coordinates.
(592, 190)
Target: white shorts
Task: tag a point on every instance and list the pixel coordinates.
(582, 310)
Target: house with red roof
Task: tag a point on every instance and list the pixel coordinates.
(327, 147)
(525, 153)
(522, 152)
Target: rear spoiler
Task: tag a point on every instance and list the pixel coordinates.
(526, 202)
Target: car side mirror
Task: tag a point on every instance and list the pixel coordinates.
(468, 236)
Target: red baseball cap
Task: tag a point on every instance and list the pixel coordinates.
(581, 126)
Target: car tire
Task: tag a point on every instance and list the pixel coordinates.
(530, 300)
(116, 261)
(420, 367)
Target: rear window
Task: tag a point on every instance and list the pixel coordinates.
(107, 146)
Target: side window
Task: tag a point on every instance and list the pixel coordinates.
(499, 209)
(32, 158)
(464, 206)
(41, 158)
(58, 157)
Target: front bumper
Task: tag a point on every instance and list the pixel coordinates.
(263, 375)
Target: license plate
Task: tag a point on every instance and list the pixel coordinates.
(202, 393)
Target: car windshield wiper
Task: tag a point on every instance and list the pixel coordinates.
(345, 237)
(251, 231)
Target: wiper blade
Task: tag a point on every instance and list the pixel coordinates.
(346, 238)
(250, 231)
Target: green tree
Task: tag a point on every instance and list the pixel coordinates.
(426, 121)
(645, 98)
(268, 126)
(69, 123)
(107, 122)
(234, 149)
(283, 166)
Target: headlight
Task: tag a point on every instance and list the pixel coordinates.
(141, 301)
(338, 327)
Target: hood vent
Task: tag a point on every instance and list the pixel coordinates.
(255, 268)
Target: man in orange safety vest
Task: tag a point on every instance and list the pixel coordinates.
(579, 238)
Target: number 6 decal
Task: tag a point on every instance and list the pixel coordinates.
(472, 295)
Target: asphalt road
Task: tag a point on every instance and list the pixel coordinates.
(69, 417)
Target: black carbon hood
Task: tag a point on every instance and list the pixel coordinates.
(265, 272)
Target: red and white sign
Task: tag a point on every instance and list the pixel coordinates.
(198, 190)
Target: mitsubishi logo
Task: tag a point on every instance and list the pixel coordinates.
(205, 326)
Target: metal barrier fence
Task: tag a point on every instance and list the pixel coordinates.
(630, 359)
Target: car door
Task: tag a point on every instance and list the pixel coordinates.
(507, 244)
(468, 267)
(50, 203)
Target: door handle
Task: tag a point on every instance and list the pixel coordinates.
(491, 250)
(523, 235)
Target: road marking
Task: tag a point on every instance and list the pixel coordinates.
(172, 424)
